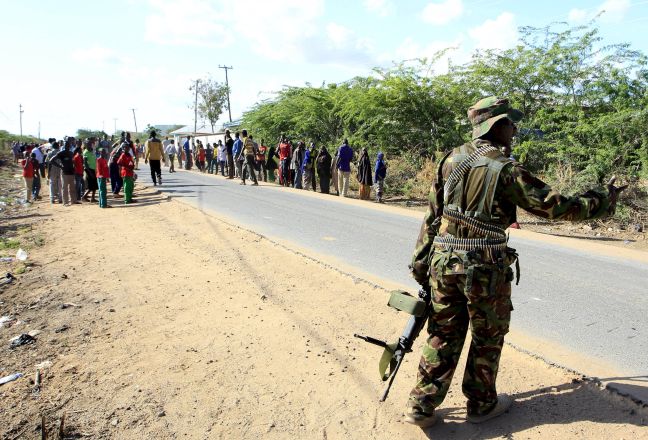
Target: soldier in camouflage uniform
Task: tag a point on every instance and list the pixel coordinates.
(462, 254)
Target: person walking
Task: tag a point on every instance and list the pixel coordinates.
(462, 255)
(364, 175)
(137, 152)
(323, 165)
(90, 167)
(344, 158)
(165, 146)
(170, 152)
(103, 174)
(154, 156)
(54, 170)
(380, 173)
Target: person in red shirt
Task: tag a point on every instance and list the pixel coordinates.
(28, 176)
(285, 154)
(103, 173)
(127, 165)
(78, 174)
(202, 155)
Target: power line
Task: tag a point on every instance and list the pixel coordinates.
(229, 107)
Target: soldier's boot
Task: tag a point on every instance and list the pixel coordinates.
(416, 416)
(504, 402)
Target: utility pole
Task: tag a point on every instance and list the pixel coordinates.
(21, 112)
(196, 109)
(229, 108)
(134, 119)
(39, 130)
(115, 121)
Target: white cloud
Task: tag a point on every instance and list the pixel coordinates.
(500, 33)
(382, 8)
(187, 22)
(283, 30)
(613, 11)
(339, 35)
(410, 50)
(443, 12)
(577, 16)
(98, 56)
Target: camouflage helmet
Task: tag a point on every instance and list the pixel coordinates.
(486, 112)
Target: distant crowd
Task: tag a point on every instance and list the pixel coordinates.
(289, 164)
(79, 170)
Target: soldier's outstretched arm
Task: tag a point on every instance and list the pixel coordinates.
(522, 188)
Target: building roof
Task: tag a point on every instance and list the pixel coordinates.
(188, 130)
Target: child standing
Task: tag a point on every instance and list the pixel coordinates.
(380, 172)
(78, 174)
(127, 164)
(103, 173)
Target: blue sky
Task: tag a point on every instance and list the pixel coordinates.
(80, 64)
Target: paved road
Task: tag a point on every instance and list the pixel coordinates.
(591, 304)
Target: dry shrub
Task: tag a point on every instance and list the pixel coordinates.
(409, 177)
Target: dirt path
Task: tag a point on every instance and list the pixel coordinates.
(182, 326)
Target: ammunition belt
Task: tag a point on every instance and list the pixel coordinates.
(465, 166)
(476, 226)
(471, 244)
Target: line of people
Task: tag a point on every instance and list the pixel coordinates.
(298, 166)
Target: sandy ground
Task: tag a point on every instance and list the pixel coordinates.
(162, 322)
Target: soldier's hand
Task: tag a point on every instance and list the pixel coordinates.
(615, 192)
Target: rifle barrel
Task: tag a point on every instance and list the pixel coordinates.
(391, 379)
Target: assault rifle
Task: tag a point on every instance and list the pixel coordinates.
(394, 354)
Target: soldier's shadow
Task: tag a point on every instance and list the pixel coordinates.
(556, 405)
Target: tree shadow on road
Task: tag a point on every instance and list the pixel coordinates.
(555, 405)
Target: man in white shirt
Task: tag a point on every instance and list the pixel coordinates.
(169, 152)
(165, 144)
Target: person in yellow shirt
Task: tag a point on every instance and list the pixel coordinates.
(154, 156)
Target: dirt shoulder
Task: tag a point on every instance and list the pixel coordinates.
(160, 321)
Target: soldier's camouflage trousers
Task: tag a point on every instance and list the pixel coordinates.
(463, 293)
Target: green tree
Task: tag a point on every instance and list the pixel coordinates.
(86, 133)
(212, 99)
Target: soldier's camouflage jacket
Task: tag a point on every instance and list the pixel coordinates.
(514, 186)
